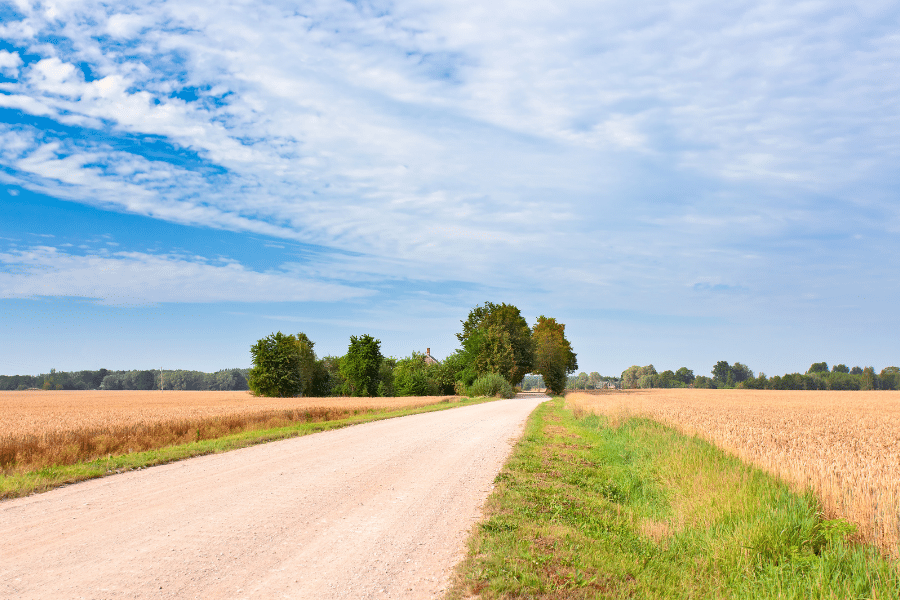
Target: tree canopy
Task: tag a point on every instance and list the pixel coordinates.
(496, 338)
(276, 366)
(361, 365)
(553, 355)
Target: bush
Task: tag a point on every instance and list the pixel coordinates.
(491, 385)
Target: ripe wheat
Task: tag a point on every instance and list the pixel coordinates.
(46, 428)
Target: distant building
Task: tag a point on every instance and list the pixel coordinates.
(429, 359)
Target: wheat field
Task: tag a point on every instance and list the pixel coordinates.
(845, 446)
(45, 428)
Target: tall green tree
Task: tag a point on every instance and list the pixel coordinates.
(411, 376)
(361, 365)
(498, 340)
(276, 367)
(308, 365)
(553, 355)
(685, 375)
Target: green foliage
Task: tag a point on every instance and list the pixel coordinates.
(684, 376)
(329, 380)
(704, 382)
(553, 355)
(635, 376)
(867, 379)
(361, 366)
(308, 365)
(491, 385)
(386, 377)
(411, 377)
(496, 339)
(138, 379)
(276, 366)
(445, 375)
(820, 367)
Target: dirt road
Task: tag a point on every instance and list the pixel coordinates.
(380, 510)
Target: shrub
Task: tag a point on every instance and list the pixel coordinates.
(491, 384)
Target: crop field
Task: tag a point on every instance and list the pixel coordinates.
(843, 445)
(46, 428)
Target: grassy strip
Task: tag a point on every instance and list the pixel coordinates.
(23, 484)
(589, 509)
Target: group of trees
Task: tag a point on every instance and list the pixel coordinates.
(725, 375)
(152, 379)
(648, 377)
(497, 350)
(590, 381)
(839, 377)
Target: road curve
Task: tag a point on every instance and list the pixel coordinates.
(380, 510)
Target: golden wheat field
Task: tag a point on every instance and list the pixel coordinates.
(843, 445)
(42, 428)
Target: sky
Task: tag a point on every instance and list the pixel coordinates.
(678, 182)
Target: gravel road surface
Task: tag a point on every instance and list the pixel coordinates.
(380, 510)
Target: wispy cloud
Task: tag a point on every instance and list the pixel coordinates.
(135, 278)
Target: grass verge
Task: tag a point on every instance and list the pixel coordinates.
(22, 484)
(586, 508)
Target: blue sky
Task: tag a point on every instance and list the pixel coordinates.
(678, 183)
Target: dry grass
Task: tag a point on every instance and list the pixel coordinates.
(843, 445)
(46, 428)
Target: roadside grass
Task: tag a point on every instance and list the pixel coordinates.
(588, 508)
(18, 484)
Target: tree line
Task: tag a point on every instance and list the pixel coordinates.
(151, 379)
(497, 349)
(740, 376)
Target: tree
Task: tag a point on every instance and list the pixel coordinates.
(308, 365)
(497, 339)
(721, 372)
(741, 372)
(667, 379)
(361, 365)
(553, 355)
(820, 367)
(868, 379)
(276, 367)
(410, 377)
(635, 376)
(581, 381)
(890, 378)
(840, 369)
(685, 375)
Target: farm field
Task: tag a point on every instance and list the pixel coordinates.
(45, 428)
(843, 445)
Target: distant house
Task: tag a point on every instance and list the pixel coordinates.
(429, 359)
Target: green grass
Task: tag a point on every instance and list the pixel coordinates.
(23, 484)
(584, 509)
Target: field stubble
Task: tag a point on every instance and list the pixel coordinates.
(843, 445)
(47, 428)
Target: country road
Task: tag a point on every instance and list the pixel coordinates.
(380, 510)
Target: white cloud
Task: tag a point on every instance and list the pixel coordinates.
(135, 278)
(10, 63)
